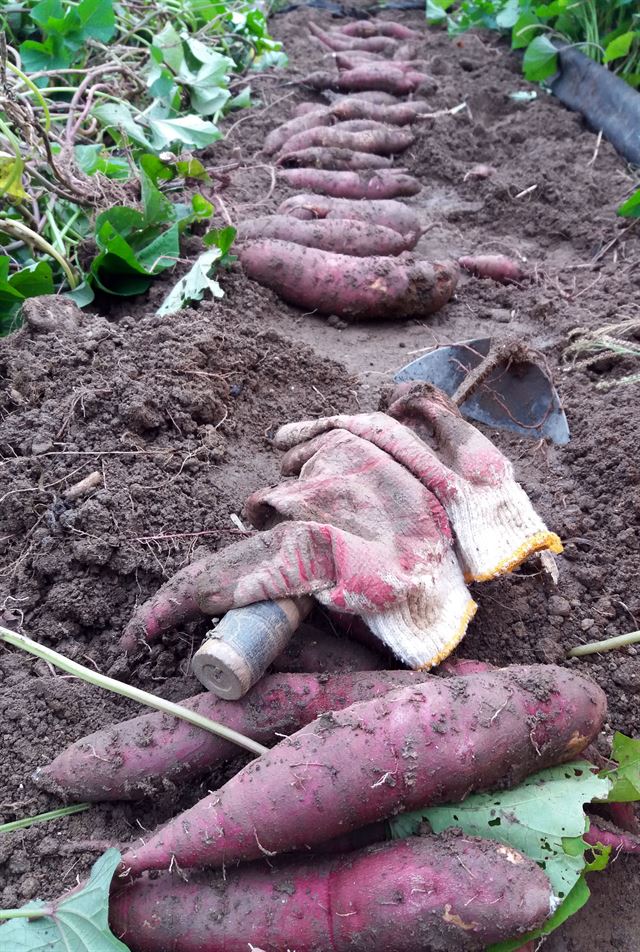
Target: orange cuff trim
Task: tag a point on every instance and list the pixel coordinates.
(468, 614)
(539, 542)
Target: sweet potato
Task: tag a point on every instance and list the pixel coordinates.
(351, 59)
(362, 56)
(378, 138)
(320, 116)
(391, 214)
(347, 237)
(369, 77)
(398, 114)
(322, 157)
(337, 42)
(364, 28)
(305, 107)
(497, 267)
(415, 747)
(358, 288)
(385, 183)
(133, 759)
(319, 652)
(371, 95)
(449, 892)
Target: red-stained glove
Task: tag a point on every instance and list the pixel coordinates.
(358, 532)
(493, 521)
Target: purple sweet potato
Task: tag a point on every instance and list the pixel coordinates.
(357, 288)
(139, 756)
(399, 114)
(339, 42)
(371, 95)
(436, 742)
(323, 157)
(497, 267)
(449, 892)
(305, 107)
(361, 56)
(385, 183)
(350, 59)
(358, 238)
(364, 28)
(385, 212)
(377, 138)
(320, 116)
(369, 77)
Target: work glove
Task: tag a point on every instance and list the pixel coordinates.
(356, 530)
(494, 524)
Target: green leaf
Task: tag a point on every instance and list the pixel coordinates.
(526, 27)
(619, 47)
(625, 750)
(631, 208)
(572, 904)
(10, 178)
(78, 922)
(169, 45)
(191, 131)
(52, 54)
(118, 118)
(95, 158)
(543, 818)
(436, 10)
(221, 238)
(540, 59)
(506, 18)
(82, 295)
(241, 101)
(193, 285)
(158, 210)
(97, 18)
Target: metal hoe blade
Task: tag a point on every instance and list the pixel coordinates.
(516, 396)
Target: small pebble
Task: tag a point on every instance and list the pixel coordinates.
(587, 623)
(559, 606)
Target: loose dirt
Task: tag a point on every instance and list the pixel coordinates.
(175, 416)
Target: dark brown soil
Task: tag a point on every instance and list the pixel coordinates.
(175, 416)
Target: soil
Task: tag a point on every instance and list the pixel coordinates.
(175, 417)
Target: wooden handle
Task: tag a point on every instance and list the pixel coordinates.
(238, 651)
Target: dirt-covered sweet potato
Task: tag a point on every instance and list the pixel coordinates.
(432, 743)
(364, 28)
(448, 892)
(143, 754)
(387, 212)
(357, 288)
(369, 77)
(320, 116)
(496, 267)
(323, 157)
(375, 137)
(339, 42)
(347, 237)
(397, 114)
(386, 183)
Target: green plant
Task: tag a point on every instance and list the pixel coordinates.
(608, 31)
(91, 95)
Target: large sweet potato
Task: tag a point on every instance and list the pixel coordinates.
(348, 237)
(364, 28)
(433, 743)
(398, 114)
(141, 755)
(320, 116)
(425, 893)
(322, 157)
(370, 77)
(357, 288)
(387, 212)
(339, 42)
(385, 183)
(375, 137)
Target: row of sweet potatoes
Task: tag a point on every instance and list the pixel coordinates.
(344, 246)
(341, 155)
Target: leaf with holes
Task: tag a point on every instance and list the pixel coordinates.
(542, 818)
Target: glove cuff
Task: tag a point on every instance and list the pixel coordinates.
(496, 529)
(423, 628)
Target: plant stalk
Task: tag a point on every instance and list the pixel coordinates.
(128, 691)
(609, 644)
